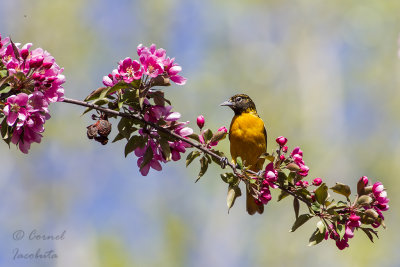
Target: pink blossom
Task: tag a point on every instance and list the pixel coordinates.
(284, 149)
(15, 109)
(281, 140)
(151, 65)
(377, 188)
(354, 221)
(271, 175)
(172, 70)
(130, 70)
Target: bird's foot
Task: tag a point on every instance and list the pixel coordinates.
(224, 162)
(260, 174)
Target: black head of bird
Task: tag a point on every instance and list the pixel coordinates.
(240, 103)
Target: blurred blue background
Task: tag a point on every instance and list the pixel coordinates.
(325, 74)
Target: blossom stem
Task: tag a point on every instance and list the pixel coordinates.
(171, 133)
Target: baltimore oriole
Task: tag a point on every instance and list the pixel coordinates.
(248, 140)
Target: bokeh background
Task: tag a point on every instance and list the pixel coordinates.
(325, 74)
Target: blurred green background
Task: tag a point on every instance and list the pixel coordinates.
(325, 74)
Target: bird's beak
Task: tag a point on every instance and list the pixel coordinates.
(227, 103)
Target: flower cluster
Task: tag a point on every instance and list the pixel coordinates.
(156, 114)
(270, 177)
(152, 63)
(132, 82)
(367, 210)
(30, 80)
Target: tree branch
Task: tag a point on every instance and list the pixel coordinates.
(171, 133)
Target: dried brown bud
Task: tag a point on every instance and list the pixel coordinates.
(91, 131)
(104, 127)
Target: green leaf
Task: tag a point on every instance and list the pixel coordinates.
(282, 195)
(207, 134)
(296, 207)
(5, 90)
(133, 143)
(194, 137)
(148, 156)
(282, 178)
(267, 156)
(230, 178)
(125, 127)
(233, 193)
(321, 227)
(192, 155)
(341, 230)
(368, 232)
(239, 162)
(3, 73)
(158, 97)
(100, 102)
(321, 193)
(118, 137)
(15, 49)
(302, 219)
(342, 189)
(203, 167)
(4, 129)
(316, 207)
(166, 150)
(291, 177)
(96, 93)
(316, 238)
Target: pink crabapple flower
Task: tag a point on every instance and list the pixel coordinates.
(129, 70)
(15, 108)
(284, 149)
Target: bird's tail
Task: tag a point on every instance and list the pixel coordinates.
(251, 206)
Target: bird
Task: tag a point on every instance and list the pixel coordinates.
(248, 140)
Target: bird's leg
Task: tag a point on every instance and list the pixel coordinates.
(260, 173)
(223, 162)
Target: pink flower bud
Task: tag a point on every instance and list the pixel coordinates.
(200, 121)
(47, 65)
(317, 181)
(282, 157)
(365, 180)
(297, 158)
(24, 53)
(284, 149)
(222, 129)
(281, 140)
(36, 62)
(36, 76)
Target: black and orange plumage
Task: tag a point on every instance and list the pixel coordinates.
(248, 140)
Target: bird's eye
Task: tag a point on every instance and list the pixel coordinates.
(238, 99)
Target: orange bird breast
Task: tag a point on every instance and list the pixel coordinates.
(247, 137)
